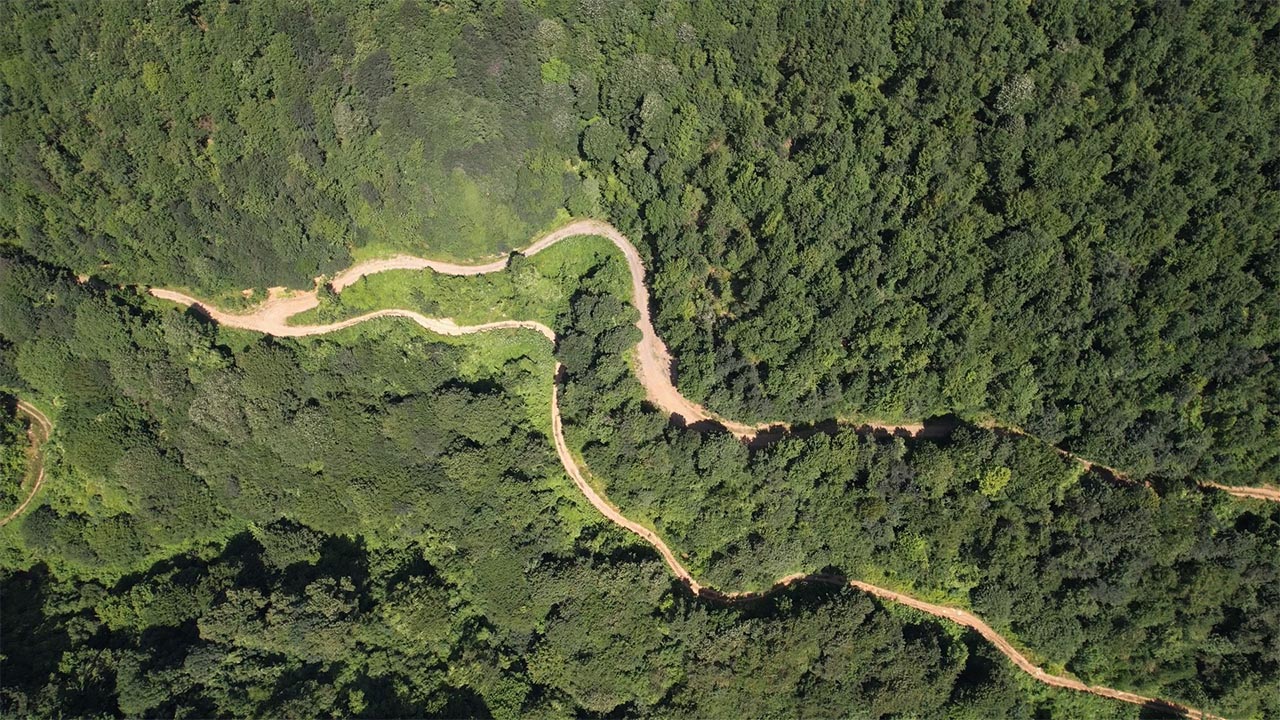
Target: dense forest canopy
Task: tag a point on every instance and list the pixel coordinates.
(1061, 216)
(1173, 591)
(1058, 216)
(216, 544)
(13, 460)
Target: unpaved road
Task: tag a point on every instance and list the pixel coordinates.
(956, 615)
(1261, 492)
(970, 620)
(654, 370)
(272, 324)
(653, 360)
(38, 433)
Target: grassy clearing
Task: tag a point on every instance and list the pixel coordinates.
(450, 215)
(534, 288)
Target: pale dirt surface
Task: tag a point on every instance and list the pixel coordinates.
(653, 360)
(654, 372)
(1260, 492)
(38, 434)
(605, 507)
(955, 615)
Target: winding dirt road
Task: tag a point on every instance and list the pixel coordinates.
(962, 617)
(38, 433)
(653, 360)
(654, 372)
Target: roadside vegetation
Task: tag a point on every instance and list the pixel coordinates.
(374, 522)
(1169, 590)
(537, 288)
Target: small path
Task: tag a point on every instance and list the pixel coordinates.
(1261, 492)
(38, 433)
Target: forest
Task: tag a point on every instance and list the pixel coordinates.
(1058, 217)
(216, 545)
(1170, 589)
(13, 460)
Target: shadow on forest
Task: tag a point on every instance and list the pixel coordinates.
(22, 626)
(805, 593)
(34, 643)
(1159, 710)
(201, 314)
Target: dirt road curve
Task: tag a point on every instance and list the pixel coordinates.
(973, 621)
(267, 320)
(605, 507)
(962, 617)
(1261, 492)
(38, 434)
(653, 358)
(654, 370)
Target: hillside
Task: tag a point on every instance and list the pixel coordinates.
(962, 311)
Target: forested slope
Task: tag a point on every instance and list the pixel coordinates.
(1065, 217)
(1061, 216)
(1171, 591)
(13, 461)
(228, 145)
(212, 542)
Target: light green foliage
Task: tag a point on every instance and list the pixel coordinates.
(556, 71)
(223, 146)
(994, 480)
(534, 288)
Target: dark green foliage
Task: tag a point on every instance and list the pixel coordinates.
(388, 633)
(852, 209)
(1174, 593)
(1062, 215)
(13, 457)
(413, 550)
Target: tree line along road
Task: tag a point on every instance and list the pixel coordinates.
(653, 369)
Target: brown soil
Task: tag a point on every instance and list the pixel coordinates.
(1261, 492)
